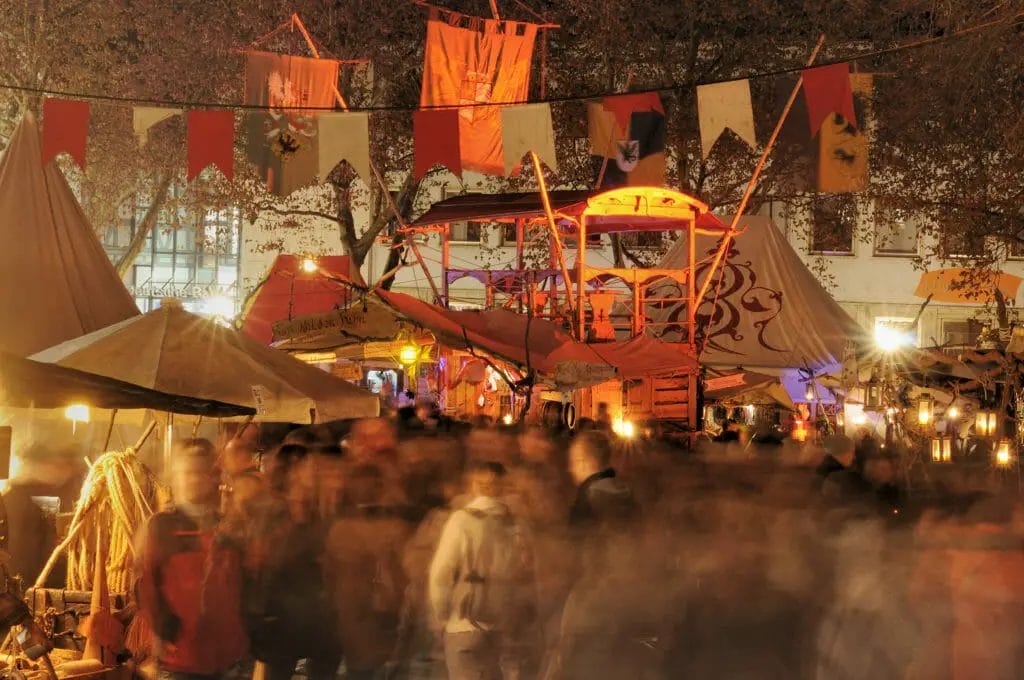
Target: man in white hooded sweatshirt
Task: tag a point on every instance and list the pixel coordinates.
(482, 588)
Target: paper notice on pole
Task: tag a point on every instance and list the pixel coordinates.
(260, 398)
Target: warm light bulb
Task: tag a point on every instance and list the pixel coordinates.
(859, 418)
(952, 413)
(507, 419)
(309, 265)
(409, 354)
(77, 413)
(888, 339)
(628, 429)
(1003, 453)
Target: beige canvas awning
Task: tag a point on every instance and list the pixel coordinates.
(174, 351)
(56, 282)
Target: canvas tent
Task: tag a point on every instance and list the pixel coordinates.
(289, 291)
(29, 384)
(172, 350)
(57, 282)
(768, 312)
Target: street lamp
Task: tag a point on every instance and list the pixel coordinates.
(985, 423)
(942, 449)
(1003, 454)
(925, 409)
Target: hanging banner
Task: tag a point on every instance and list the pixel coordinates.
(967, 286)
(527, 128)
(471, 62)
(65, 128)
(636, 156)
(843, 149)
(282, 81)
(436, 141)
(283, 148)
(145, 117)
(344, 137)
(827, 90)
(211, 141)
(721, 106)
(623, 106)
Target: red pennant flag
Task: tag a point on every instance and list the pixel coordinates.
(827, 89)
(623, 106)
(211, 141)
(436, 140)
(65, 128)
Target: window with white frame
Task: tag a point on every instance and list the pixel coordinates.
(895, 233)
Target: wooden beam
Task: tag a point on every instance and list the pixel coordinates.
(553, 227)
(724, 248)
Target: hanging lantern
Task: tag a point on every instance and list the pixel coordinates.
(985, 423)
(809, 391)
(409, 354)
(942, 449)
(925, 409)
(1003, 453)
(840, 419)
(872, 394)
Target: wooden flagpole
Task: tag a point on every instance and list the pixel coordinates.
(726, 240)
(545, 199)
(297, 21)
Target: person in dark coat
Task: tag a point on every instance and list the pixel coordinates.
(601, 497)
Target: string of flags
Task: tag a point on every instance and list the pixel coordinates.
(468, 63)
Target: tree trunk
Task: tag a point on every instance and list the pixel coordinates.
(143, 229)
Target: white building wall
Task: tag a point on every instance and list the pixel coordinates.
(876, 287)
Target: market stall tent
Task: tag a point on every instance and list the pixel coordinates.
(765, 310)
(56, 281)
(172, 350)
(299, 286)
(25, 383)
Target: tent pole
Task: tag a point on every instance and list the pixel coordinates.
(754, 178)
(373, 166)
(691, 288)
(555, 240)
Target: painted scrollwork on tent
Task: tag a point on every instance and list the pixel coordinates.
(740, 300)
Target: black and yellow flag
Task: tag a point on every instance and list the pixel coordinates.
(843, 148)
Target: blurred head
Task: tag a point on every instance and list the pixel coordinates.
(603, 413)
(485, 478)
(372, 438)
(194, 474)
(536, 447)
(589, 453)
(239, 455)
(880, 470)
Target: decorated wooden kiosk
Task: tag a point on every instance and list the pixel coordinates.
(601, 310)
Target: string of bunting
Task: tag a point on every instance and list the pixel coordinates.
(473, 115)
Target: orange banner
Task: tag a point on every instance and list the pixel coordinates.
(966, 285)
(468, 62)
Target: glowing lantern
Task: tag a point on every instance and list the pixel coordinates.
(841, 420)
(872, 393)
(925, 409)
(309, 265)
(409, 354)
(809, 391)
(799, 431)
(985, 423)
(952, 413)
(1003, 456)
(77, 413)
(507, 419)
(942, 449)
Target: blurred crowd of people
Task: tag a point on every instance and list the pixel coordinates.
(401, 549)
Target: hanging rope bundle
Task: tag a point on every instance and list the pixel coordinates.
(119, 495)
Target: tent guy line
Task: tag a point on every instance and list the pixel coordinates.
(1016, 20)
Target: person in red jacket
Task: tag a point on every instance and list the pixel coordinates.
(190, 577)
